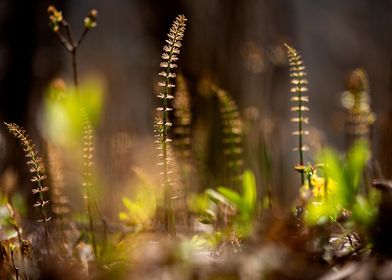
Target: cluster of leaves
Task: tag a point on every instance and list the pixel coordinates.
(342, 181)
(231, 213)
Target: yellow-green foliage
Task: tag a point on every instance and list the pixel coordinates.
(63, 116)
(243, 204)
(141, 208)
(343, 192)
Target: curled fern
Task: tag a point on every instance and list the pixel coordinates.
(232, 134)
(169, 58)
(300, 99)
(38, 175)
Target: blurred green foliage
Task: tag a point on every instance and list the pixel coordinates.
(241, 206)
(344, 178)
(64, 110)
(141, 209)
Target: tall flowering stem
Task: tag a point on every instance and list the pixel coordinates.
(38, 175)
(170, 55)
(299, 99)
(88, 150)
(63, 31)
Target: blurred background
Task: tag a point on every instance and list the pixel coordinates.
(235, 44)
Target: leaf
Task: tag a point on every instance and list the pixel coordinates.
(217, 197)
(334, 168)
(127, 203)
(250, 192)
(232, 196)
(123, 216)
(356, 161)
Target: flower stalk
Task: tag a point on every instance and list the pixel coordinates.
(169, 58)
(299, 89)
(38, 175)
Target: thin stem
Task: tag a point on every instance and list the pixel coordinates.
(169, 212)
(68, 32)
(101, 216)
(16, 228)
(14, 266)
(42, 201)
(87, 155)
(85, 31)
(300, 140)
(64, 41)
(91, 222)
(75, 70)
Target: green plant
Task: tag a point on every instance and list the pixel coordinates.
(141, 208)
(38, 176)
(298, 89)
(243, 203)
(232, 129)
(343, 181)
(57, 23)
(356, 99)
(169, 56)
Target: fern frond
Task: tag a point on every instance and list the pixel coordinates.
(300, 99)
(232, 135)
(169, 58)
(182, 120)
(359, 116)
(38, 175)
(182, 145)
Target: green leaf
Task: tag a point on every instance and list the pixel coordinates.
(217, 197)
(250, 192)
(231, 196)
(356, 161)
(334, 169)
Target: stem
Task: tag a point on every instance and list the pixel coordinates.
(87, 176)
(103, 219)
(14, 266)
(169, 211)
(73, 51)
(300, 142)
(85, 31)
(17, 229)
(43, 212)
(91, 222)
(75, 69)
(64, 41)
